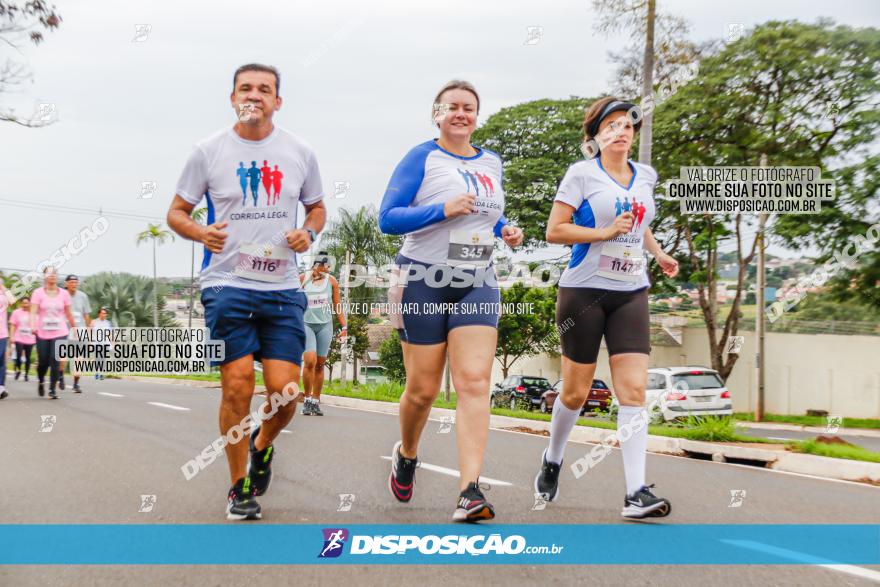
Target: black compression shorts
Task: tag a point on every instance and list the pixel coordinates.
(585, 314)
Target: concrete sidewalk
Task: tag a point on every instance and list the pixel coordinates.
(866, 432)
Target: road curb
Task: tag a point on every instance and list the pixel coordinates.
(804, 464)
(811, 429)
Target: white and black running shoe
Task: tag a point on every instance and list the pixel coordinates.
(644, 504)
(547, 479)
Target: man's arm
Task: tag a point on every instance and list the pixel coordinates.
(316, 216)
(180, 220)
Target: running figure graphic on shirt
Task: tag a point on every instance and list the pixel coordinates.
(266, 176)
(254, 175)
(486, 182)
(618, 207)
(626, 205)
(468, 180)
(277, 176)
(242, 174)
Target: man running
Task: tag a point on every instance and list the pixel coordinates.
(79, 305)
(322, 291)
(250, 288)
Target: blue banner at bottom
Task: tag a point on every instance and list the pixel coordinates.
(531, 544)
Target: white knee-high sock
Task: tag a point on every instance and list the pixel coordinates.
(633, 446)
(561, 423)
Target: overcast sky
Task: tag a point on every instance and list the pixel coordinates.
(357, 80)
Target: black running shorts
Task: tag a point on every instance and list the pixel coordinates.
(585, 314)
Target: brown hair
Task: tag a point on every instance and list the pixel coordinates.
(258, 67)
(457, 84)
(594, 111)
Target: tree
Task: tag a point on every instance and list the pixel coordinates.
(537, 141)
(524, 334)
(391, 356)
(615, 15)
(129, 299)
(155, 234)
(357, 331)
(769, 93)
(199, 214)
(21, 21)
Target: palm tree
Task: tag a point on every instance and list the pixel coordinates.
(156, 234)
(128, 298)
(198, 215)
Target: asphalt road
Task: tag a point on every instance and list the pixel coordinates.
(110, 445)
(869, 442)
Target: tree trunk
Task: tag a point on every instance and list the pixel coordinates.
(155, 290)
(354, 374)
(646, 134)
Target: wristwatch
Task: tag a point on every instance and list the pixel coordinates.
(312, 234)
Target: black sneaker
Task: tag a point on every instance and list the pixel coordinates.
(77, 388)
(61, 384)
(25, 376)
(41, 389)
(260, 468)
(3, 394)
(307, 407)
(403, 474)
(472, 505)
(547, 480)
(17, 373)
(241, 504)
(643, 504)
(52, 394)
(316, 408)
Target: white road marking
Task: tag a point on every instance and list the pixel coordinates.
(108, 394)
(169, 406)
(801, 557)
(286, 432)
(454, 473)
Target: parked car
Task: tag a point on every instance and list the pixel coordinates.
(687, 391)
(520, 391)
(599, 397)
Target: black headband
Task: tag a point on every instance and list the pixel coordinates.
(613, 106)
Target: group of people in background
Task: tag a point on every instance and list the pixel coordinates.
(49, 314)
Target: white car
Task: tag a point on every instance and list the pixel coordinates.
(688, 391)
(676, 392)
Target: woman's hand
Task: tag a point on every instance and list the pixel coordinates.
(668, 264)
(460, 205)
(512, 235)
(621, 225)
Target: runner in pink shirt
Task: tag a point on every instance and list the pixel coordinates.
(50, 316)
(23, 337)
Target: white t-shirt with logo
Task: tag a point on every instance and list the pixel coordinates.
(256, 187)
(619, 264)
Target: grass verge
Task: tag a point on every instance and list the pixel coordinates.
(818, 421)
